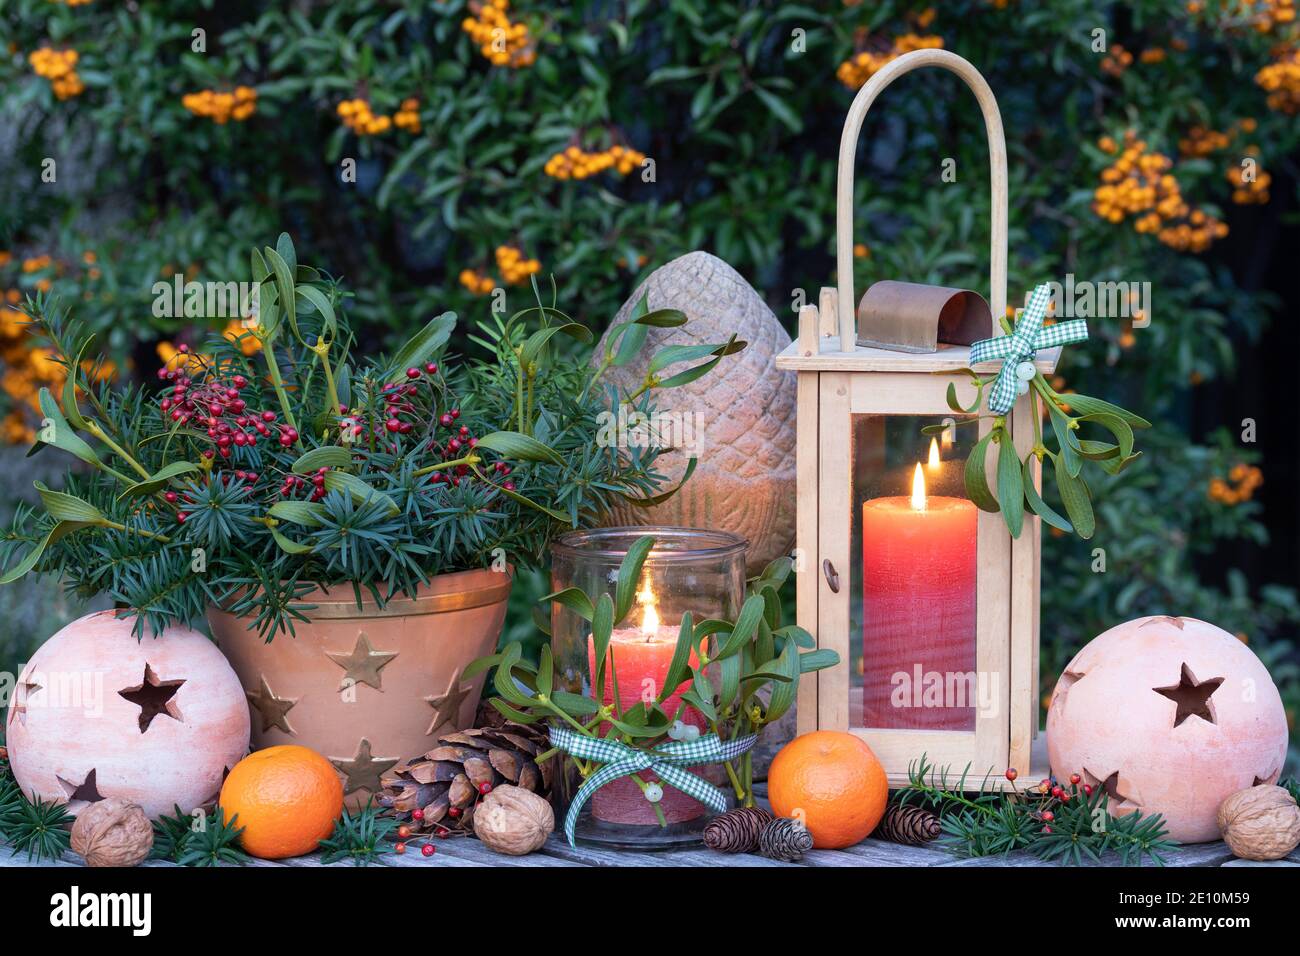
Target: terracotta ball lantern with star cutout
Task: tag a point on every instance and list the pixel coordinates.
(1170, 715)
(96, 713)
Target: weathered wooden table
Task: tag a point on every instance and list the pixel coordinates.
(466, 851)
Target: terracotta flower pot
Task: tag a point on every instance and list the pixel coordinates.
(369, 686)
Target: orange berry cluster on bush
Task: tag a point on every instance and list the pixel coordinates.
(576, 163)
(1116, 60)
(1251, 190)
(1139, 184)
(476, 282)
(514, 267)
(1232, 16)
(1281, 80)
(57, 67)
(1242, 481)
(358, 117)
(858, 68)
(502, 41)
(407, 116)
(238, 104)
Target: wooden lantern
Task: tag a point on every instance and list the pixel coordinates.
(929, 601)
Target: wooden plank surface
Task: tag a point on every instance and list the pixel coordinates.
(468, 852)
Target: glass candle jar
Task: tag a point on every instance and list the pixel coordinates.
(688, 569)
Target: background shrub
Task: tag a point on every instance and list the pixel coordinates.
(706, 124)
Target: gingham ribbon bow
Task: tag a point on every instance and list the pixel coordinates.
(1027, 337)
(667, 761)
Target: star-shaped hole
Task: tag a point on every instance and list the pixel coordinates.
(1165, 619)
(82, 794)
(153, 697)
(22, 693)
(1191, 696)
(1119, 793)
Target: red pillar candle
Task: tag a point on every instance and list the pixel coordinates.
(640, 656)
(918, 611)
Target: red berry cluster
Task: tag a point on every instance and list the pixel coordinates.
(216, 403)
(293, 484)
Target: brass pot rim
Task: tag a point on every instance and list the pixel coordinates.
(339, 602)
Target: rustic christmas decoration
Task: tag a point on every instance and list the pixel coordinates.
(154, 722)
(1154, 712)
(513, 821)
(785, 839)
(112, 833)
(911, 826)
(445, 783)
(1260, 823)
(737, 831)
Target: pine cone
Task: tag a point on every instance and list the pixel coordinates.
(911, 826)
(736, 831)
(786, 840)
(451, 774)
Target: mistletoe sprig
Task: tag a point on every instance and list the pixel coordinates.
(1070, 417)
(1065, 821)
(723, 665)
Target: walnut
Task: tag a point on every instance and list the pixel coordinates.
(513, 821)
(1260, 823)
(112, 832)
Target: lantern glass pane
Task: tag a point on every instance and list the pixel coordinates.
(912, 633)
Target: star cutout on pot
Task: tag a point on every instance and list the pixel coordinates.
(1191, 696)
(81, 794)
(446, 707)
(22, 693)
(272, 709)
(362, 772)
(363, 663)
(1118, 793)
(153, 697)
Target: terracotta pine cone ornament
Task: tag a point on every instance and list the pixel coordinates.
(743, 410)
(513, 821)
(1170, 715)
(1261, 823)
(112, 833)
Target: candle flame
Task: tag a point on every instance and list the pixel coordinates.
(918, 489)
(933, 463)
(650, 616)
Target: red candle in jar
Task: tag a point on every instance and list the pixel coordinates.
(918, 611)
(640, 656)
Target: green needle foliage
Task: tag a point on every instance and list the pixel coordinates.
(244, 480)
(39, 829)
(190, 840)
(1071, 828)
(360, 836)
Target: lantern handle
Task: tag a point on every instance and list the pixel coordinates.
(844, 181)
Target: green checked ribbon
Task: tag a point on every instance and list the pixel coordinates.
(1019, 347)
(668, 761)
